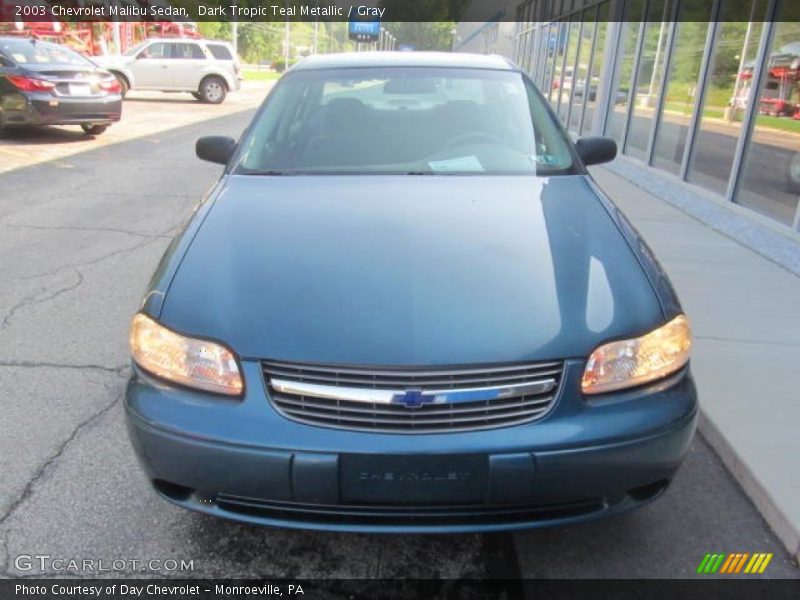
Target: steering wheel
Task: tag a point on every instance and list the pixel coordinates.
(463, 138)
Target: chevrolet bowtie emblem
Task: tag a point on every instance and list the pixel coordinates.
(413, 398)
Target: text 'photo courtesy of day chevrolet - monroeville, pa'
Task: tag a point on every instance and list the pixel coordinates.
(399, 299)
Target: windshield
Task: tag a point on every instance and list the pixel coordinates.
(25, 52)
(405, 121)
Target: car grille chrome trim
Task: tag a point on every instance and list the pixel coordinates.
(387, 396)
(378, 399)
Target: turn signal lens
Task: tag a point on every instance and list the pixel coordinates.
(628, 363)
(111, 86)
(195, 363)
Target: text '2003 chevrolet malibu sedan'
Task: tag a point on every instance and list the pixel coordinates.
(406, 306)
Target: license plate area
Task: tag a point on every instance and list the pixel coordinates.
(399, 480)
(80, 89)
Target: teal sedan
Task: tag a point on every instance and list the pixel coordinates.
(406, 306)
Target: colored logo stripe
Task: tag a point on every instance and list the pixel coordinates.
(734, 563)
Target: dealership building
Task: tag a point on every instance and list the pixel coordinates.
(701, 102)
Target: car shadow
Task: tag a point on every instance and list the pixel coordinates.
(166, 99)
(42, 134)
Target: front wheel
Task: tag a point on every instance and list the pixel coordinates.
(123, 84)
(90, 129)
(212, 90)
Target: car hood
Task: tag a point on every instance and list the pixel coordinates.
(410, 270)
(112, 60)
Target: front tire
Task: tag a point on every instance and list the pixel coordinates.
(90, 129)
(212, 90)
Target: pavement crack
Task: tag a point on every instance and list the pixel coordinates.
(40, 472)
(141, 234)
(49, 365)
(36, 298)
(94, 261)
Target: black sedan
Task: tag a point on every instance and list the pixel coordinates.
(42, 83)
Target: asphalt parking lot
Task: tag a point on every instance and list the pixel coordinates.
(82, 225)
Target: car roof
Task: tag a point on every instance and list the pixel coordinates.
(459, 60)
(185, 39)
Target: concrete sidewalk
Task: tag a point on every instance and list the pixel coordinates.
(745, 314)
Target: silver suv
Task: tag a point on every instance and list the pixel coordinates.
(208, 69)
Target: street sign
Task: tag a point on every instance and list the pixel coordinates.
(364, 31)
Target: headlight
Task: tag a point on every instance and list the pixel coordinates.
(192, 362)
(628, 363)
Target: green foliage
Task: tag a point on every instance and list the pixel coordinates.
(423, 36)
(214, 30)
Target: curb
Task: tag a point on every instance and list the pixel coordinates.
(777, 521)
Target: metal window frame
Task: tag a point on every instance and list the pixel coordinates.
(590, 66)
(662, 89)
(712, 37)
(746, 133)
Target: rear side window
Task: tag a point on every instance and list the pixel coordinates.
(220, 52)
(187, 51)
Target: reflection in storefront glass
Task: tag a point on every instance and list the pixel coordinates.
(691, 31)
(581, 69)
(648, 78)
(726, 94)
(771, 178)
(597, 67)
(629, 34)
(568, 79)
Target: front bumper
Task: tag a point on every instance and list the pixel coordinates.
(46, 109)
(242, 460)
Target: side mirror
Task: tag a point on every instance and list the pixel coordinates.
(596, 150)
(215, 148)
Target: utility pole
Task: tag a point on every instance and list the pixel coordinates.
(235, 33)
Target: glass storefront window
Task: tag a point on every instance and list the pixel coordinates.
(597, 68)
(620, 91)
(568, 78)
(681, 88)
(770, 181)
(648, 78)
(553, 58)
(558, 62)
(732, 59)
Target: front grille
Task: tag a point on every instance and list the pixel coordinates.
(377, 399)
